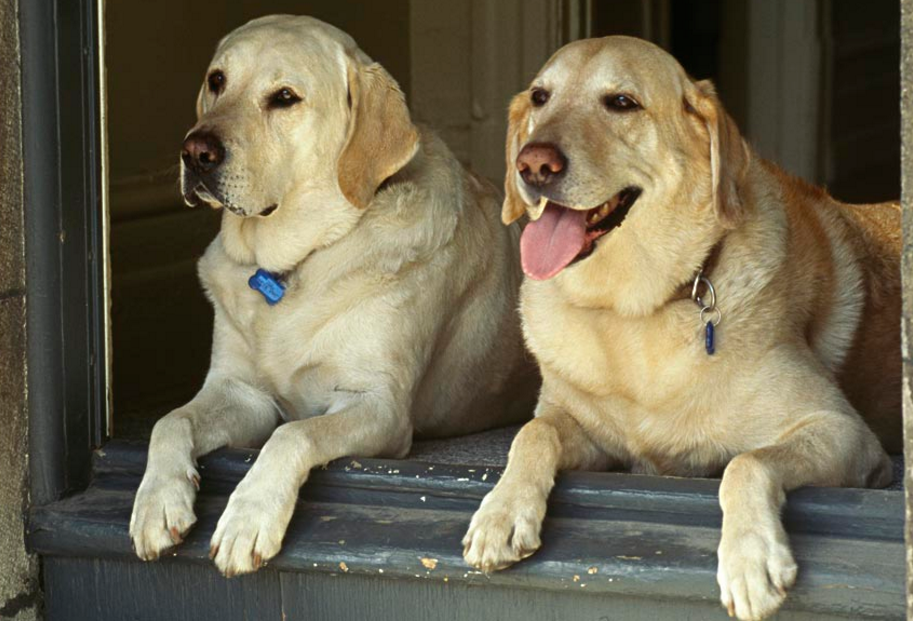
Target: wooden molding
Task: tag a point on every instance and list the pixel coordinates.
(620, 535)
(784, 83)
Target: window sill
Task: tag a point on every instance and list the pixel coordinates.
(607, 533)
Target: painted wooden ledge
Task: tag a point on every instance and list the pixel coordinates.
(611, 534)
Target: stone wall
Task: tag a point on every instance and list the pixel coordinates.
(19, 595)
(906, 176)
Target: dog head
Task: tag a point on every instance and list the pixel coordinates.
(293, 117)
(628, 169)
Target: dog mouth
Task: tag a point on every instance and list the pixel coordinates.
(202, 193)
(607, 217)
(562, 235)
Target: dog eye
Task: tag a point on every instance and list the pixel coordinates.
(216, 82)
(283, 98)
(539, 96)
(621, 103)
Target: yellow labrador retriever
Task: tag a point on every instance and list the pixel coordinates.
(694, 310)
(363, 287)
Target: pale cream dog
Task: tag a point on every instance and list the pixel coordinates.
(637, 182)
(399, 314)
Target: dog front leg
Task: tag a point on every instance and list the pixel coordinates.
(506, 527)
(251, 529)
(226, 412)
(823, 448)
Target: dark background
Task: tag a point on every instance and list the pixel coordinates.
(157, 53)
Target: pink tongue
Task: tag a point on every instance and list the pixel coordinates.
(552, 241)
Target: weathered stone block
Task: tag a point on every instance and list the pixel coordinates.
(18, 569)
(12, 264)
(906, 83)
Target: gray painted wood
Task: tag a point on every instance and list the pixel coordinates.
(81, 589)
(355, 597)
(623, 536)
(876, 514)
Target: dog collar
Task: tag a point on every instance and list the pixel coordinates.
(710, 316)
(269, 284)
(704, 295)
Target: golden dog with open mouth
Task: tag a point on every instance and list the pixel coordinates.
(363, 287)
(694, 310)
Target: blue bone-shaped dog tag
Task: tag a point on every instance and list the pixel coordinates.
(269, 285)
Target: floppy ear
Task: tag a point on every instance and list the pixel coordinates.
(514, 207)
(381, 138)
(729, 154)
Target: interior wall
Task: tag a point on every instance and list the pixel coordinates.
(706, 36)
(157, 53)
(469, 58)
(813, 85)
(441, 97)
(459, 63)
(862, 118)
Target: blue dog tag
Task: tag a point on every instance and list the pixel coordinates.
(268, 284)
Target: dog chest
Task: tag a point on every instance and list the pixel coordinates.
(643, 387)
(280, 344)
(647, 360)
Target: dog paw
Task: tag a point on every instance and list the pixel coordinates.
(163, 511)
(756, 568)
(503, 531)
(251, 529)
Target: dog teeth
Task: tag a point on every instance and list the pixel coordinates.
(535, 211)
(601, 212)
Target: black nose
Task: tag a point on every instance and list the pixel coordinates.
(541, 163)
(202, 152)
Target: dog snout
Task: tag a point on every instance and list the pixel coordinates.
(202, 152)
(541, 163)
